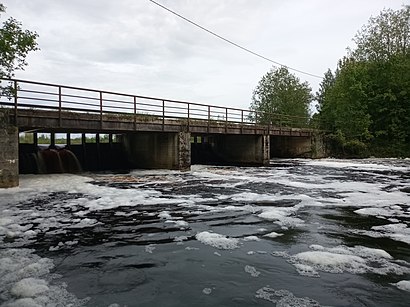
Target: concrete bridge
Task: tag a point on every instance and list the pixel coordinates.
(151, 132)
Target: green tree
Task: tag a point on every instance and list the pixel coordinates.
(281, 99)
(345, 102)
(385, 35)
(326, 84)
(15, 44)
(367, 105)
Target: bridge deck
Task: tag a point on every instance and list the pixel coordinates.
(47, 107)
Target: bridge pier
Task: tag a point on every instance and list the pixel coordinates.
(9, 139)
(242, 149)
(159, 150)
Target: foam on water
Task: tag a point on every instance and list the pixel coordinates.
(273, 235)
(397, 231)
(379, 164)
(284, 298)
(251, 238)
(217, 240)
(26, 280)
(403, 285)
(252, 271)
(340, 259)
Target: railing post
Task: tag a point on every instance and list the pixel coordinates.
(59, 106)
(241, 121)
(101, 109)
(209, 117)
(15, 101)
(226, 120)
(163, 115)
(188, 117)
(256, 120)
(135, 113)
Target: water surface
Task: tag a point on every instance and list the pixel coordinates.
(297, 233)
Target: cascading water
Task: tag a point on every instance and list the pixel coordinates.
(69, 161)
(49, 161)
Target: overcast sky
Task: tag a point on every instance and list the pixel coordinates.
(134, 46)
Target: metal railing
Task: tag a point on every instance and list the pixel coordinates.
(23, 94)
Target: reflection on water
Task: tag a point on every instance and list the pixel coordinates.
(297, 233)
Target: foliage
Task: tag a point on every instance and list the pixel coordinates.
(365, 105)
(15, 44)
(326, 84)
(281, 99)
(385, 36)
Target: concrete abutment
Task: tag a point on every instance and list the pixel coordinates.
(9, 163)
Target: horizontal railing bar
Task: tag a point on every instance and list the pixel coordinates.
(112, 93)
(36, 99)
(174, 107)
(38, 92)
(119, 101)
(80, 103)
(119, 107)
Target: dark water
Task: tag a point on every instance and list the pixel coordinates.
(338, 230)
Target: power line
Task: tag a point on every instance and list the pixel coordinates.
(231, 42)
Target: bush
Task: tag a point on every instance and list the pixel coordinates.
(356, 149)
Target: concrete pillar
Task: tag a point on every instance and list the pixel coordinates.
(159, 150)
(9, 166)
(184, 151)
(318, 146)
(242, 149)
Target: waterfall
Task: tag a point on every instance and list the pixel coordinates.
(69, 161)
(49, 161)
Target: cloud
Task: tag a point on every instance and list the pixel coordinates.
(137, 47)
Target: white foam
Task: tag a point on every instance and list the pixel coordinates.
(150, 248)
(29, 287)
(284, 298)
(207, 291)
(164, 215)
(26, 280)
(397, 231)
(403, 285)
(356, 164)
(384, 212)
(273, 235)
(178, 223)
(252, 271)
(332, 262)
(24, 302)
(180, 238)
(306, 270)
(356, 260)
(217, 240)
(84, 223)
(251, 238)
(282, 217)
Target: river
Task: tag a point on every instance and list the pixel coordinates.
(297, 233)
